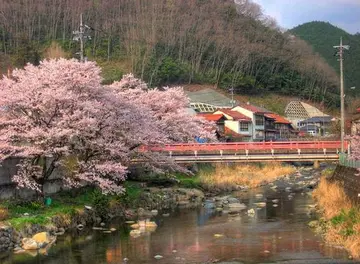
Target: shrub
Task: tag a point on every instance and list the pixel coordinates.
(4, 214)
(100, 203)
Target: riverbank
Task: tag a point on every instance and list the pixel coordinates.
(339, 223)
(88, 207)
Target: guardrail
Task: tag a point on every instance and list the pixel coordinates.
(345, 161)
(247, 146)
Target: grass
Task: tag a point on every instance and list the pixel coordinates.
(342, 217)
(331, 197)
(65, 204)
(229, 176)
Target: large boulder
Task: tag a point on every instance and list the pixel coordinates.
(29, 244)
(42, 238)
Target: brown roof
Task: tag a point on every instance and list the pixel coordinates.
(278, 119)
(211, 117)
(235, 115)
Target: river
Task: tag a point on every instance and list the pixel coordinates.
(273, 235)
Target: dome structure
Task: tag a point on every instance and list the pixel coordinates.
(297, 111)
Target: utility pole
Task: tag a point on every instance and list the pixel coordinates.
(340, 53)
(81, 35)
(232, 96)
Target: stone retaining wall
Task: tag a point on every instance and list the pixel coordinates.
(350, 178)
(8, 189)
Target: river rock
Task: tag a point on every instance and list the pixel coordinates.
(154, 212)
(183, 203)
(135, 226)
(209, 205)
(313, 224)
(236, 207)
(150, 224)
(29, 244)
(142, 213)
(158, 257)
(135, 233)
(233, 200)
(42, 238)
(275, 200)
(198, 193)
(102, 224)
(251, 212)
(222, 198)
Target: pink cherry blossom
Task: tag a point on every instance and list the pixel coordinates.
(61, 111)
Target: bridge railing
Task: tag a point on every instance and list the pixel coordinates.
(248, 146)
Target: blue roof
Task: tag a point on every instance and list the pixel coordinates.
(318, 119)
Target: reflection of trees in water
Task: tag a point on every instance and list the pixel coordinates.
(191, 233)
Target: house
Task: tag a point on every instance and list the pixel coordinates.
(316, 126)
(283, 127)
(261, 126)
(218, 119)
(237, 125)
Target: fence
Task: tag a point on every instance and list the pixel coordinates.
(345, 161)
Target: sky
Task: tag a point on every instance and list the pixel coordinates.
(290, 13)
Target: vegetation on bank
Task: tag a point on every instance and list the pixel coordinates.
(229, 177)
(22, 213)
(341, 217)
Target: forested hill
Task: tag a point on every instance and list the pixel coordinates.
(322, 37)
(227, 43)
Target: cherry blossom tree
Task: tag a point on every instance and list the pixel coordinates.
(355, 147)
(168, 106)
(59, 114)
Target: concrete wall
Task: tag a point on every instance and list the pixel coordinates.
(9, 190)
(350, 178)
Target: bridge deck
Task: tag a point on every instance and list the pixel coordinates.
(250, 151)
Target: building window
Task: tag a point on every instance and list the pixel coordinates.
(244, 126)
(259, 120)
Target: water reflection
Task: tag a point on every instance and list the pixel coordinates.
(273, 234)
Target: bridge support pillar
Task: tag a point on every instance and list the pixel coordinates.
(316, 164)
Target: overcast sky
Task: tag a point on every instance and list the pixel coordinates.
(290, 13)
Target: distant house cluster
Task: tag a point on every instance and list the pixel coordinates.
(247, 122)
(240, 121)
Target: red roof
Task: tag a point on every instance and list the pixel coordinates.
(278, 119)
(235, 115)
(211, 117)
(229, 132)
(254, 109)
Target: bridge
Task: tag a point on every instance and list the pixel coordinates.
(250, 151)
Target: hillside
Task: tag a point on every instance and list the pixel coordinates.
(322, 37)
(168, 42)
